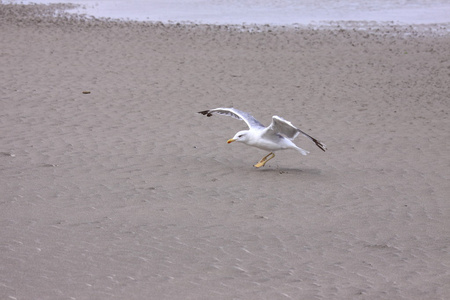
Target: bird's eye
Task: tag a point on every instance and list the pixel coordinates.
(240, 135)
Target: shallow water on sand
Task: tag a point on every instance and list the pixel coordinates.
(272, 12)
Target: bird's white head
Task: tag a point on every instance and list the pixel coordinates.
(241, 136)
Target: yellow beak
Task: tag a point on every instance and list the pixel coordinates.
(230, 141)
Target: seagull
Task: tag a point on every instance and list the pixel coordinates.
(277, 136)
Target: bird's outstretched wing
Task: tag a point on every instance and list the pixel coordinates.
(286, 129)
(234, 113)
(283, 127)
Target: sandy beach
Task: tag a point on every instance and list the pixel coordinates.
(113, 187)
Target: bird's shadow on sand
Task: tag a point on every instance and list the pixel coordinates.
(295, 171)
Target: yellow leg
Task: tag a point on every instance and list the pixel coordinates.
(265, 159)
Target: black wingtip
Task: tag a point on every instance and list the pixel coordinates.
(321, 145)
(205, 113)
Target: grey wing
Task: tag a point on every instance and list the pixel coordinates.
(286, 129)
(234, 113)
(283, 127)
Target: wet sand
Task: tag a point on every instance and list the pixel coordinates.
(125, 192)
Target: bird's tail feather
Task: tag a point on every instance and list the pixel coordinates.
(302, 151)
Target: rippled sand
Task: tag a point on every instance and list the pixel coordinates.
(113, 187)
